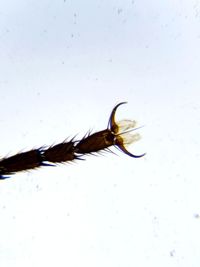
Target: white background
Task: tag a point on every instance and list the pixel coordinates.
(63, 67)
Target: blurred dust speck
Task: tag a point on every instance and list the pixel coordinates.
(196, 216)
(172, 253)
(119, 11)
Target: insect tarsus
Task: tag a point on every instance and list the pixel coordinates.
(116, 134)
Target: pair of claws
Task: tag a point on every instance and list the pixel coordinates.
(116, 134)
(121, 137)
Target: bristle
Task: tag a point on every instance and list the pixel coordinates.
(2, 177)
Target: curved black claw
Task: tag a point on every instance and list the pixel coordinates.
(111, 123)
(123, 149)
